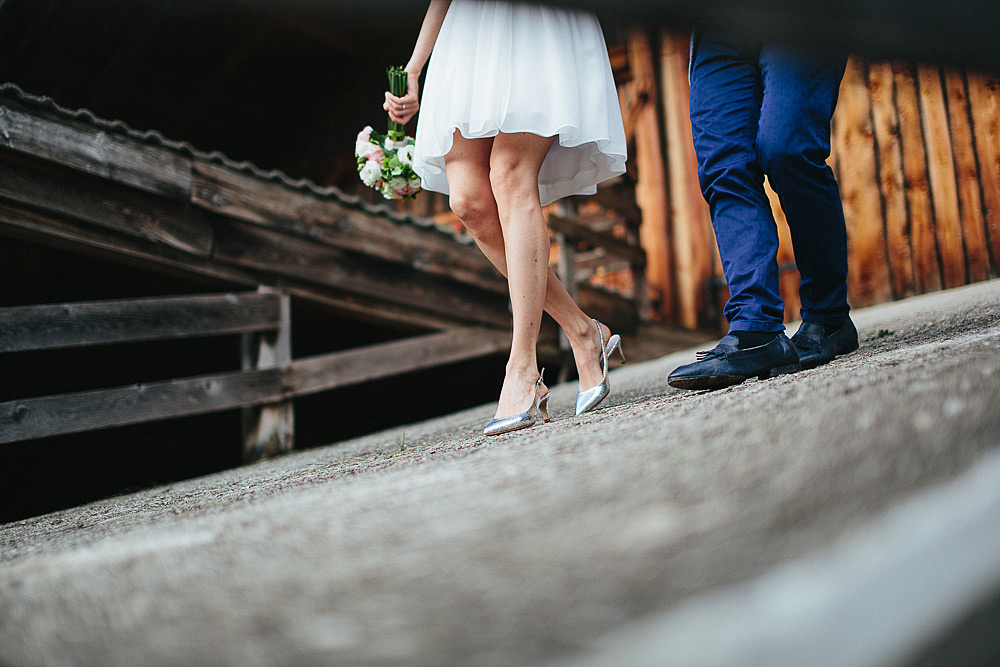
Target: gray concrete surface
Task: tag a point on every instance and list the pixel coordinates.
(663, 524)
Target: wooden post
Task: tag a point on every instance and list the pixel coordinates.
(926, 271)
(885, 123)
(693, 240)
(970, 201)
(984, 96)
(269, 429)
(651, 188)
(941, 173)
(854, 143)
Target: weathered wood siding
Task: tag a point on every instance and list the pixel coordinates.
(916, 150)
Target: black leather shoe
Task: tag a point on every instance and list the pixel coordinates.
(727, 365)
(816, 347)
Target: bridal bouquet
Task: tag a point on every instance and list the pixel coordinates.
(385, 161)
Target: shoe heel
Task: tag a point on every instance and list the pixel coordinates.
(543, 407)
(780, 370)
(621, 355)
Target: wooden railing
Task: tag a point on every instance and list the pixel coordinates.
(605, 235)
(585, 244)
(263, 388)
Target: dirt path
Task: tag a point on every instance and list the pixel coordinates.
(434, 545)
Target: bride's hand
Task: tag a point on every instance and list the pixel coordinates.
(402, 109)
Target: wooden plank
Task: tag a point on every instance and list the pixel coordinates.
(274, 254)
(610, 195)
(613, 309)
(941, 175)
(651, 187)
(854, 142)
(86, 147)
(926, 268)
(37, 227)
(984, 99)
(27, 419)
(269, 429)
(577, 232)
(131, 320)
(278, 207)
(349, 367)
(885, 123)
(973, 224)
(694, 247)
(41, 227)
(102, 203)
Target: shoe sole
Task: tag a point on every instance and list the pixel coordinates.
(723, 381)
(512, 429)
(780, 370)
(816, 364)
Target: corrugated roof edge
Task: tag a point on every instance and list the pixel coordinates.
(153, 137)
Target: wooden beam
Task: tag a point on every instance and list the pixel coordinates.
(612, 195)
(37, 227)
(269, 429)
(577, 232)
(272, 254)
(31, 418)
(327, 221)
(90, 148)
(131, 320)
(349, 367)
(106, 204)
(44, 228)
(611, 308)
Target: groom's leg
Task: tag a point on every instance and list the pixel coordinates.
(793, 141)
(726, 95)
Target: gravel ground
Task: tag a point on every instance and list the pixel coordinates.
(433, 545)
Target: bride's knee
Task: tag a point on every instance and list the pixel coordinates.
(514, 182)
(474, 208)
(506, 177)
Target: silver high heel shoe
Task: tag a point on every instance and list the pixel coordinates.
(591, 398)
(526, 418)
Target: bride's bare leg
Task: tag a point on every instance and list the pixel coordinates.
(514, 164)
(472, 200)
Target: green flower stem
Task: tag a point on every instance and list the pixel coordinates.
(397, 86)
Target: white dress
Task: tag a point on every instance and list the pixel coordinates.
(520, 67)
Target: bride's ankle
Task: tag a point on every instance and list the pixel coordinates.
(517, 369)
(587, 337)
(582, 331)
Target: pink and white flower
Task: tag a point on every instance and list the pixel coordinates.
(371, 173)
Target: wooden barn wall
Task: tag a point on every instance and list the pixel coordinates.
(916, 150)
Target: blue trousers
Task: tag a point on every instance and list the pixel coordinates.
(761, 110)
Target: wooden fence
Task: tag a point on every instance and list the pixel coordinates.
(916, 150)
(263, 388)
